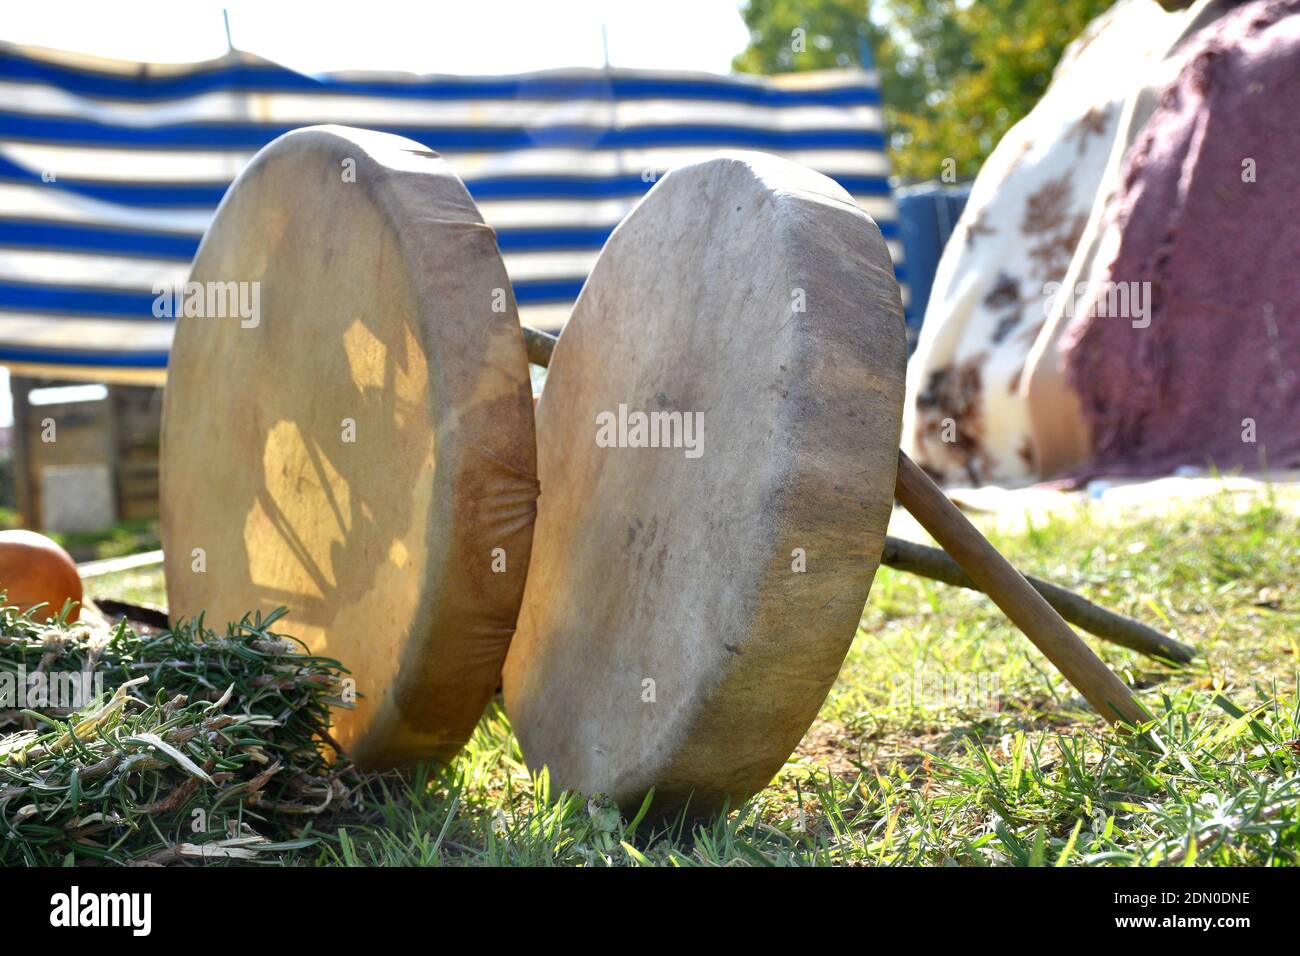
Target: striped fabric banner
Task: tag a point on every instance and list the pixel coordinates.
(110, 171)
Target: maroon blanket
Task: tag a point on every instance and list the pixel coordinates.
(1209, 211)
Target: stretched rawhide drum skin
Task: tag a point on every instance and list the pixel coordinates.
(667, 639)
(364, 452)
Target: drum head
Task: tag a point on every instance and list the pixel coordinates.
(717, 445)
(356, 441)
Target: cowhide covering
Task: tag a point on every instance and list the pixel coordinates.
(1207, 217)
(965, 419)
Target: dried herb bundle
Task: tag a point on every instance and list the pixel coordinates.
(202, 747)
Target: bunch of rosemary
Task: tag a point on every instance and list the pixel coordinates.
(201, 747)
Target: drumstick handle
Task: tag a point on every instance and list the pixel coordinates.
(935, 564)
(539, 346)
(1012, 593)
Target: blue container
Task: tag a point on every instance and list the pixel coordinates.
(927, 215)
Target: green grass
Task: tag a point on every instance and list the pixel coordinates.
(139, 586)
(119, 540)
(996, 761)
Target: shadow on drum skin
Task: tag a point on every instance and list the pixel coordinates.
(317, 472)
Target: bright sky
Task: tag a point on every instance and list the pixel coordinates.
(433, 36)
(436, 36)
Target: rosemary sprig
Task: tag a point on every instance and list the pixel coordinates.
(203, 747)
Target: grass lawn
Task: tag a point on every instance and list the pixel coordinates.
(139, 586)
(948, 739)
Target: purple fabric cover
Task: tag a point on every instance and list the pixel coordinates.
(1223, 259)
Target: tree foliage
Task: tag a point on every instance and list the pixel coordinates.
(955, 75)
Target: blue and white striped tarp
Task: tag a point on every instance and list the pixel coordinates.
(110, 171)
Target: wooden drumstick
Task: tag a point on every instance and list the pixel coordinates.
(933, 563)
(539, 346)
(992, 574)
(1012, 593)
